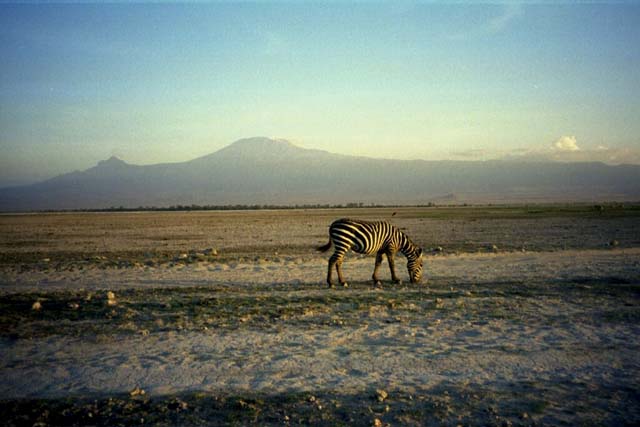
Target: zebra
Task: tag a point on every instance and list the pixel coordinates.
(368, 237)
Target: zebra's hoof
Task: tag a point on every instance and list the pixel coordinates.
(377, 283)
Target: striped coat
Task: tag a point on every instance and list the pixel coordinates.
(368, 237)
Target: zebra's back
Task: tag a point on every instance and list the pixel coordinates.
(364, 237)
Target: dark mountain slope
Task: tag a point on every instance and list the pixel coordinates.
(266, 171)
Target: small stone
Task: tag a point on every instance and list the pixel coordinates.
(377, 423)
(46, 259)
(136, 392)
(36, 306)
(493, 247)
(111, 298)
(381, 395)
(614, 243)
(73, 305)
(438, 249)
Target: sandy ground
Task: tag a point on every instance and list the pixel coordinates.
(546, 337)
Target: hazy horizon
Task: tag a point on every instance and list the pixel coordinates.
(159, 83)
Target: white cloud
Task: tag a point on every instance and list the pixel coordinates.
(509, 13)
(566, 143)
(570, 152)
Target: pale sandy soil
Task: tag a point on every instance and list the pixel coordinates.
(547, 337)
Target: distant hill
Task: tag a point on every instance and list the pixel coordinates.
(267, 171)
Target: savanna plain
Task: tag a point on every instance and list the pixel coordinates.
(527, 315)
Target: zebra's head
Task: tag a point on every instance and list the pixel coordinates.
(414, 265)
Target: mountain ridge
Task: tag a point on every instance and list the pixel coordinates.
(260, 170)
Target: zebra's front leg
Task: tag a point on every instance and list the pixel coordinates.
(392, 267)
(376, 281)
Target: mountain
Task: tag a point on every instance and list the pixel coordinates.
(267, 171)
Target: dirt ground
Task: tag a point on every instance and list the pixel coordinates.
(528, 316)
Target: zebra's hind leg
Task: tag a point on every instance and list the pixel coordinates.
(332, 262)
(376, 281)
(336, 260)
(339, 270)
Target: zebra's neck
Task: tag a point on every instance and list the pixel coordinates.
(407, 247)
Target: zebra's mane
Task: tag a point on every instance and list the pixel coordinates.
(408, 248)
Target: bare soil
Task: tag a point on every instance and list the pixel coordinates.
(529, 316)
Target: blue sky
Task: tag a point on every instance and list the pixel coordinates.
(157, 83)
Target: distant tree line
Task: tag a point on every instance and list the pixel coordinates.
(238, 207)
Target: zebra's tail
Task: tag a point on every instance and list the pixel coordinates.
(324, 248)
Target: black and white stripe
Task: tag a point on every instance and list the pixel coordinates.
(368, 237)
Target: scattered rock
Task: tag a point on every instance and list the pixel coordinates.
(377, 423)
(111, 298)
(73, 305)
(614, 243)
(36, 306)
(46, 259)
(438, 249)
(210, 252)
(493, 248)
(136, 392)
(381, 395)
(199, 256)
